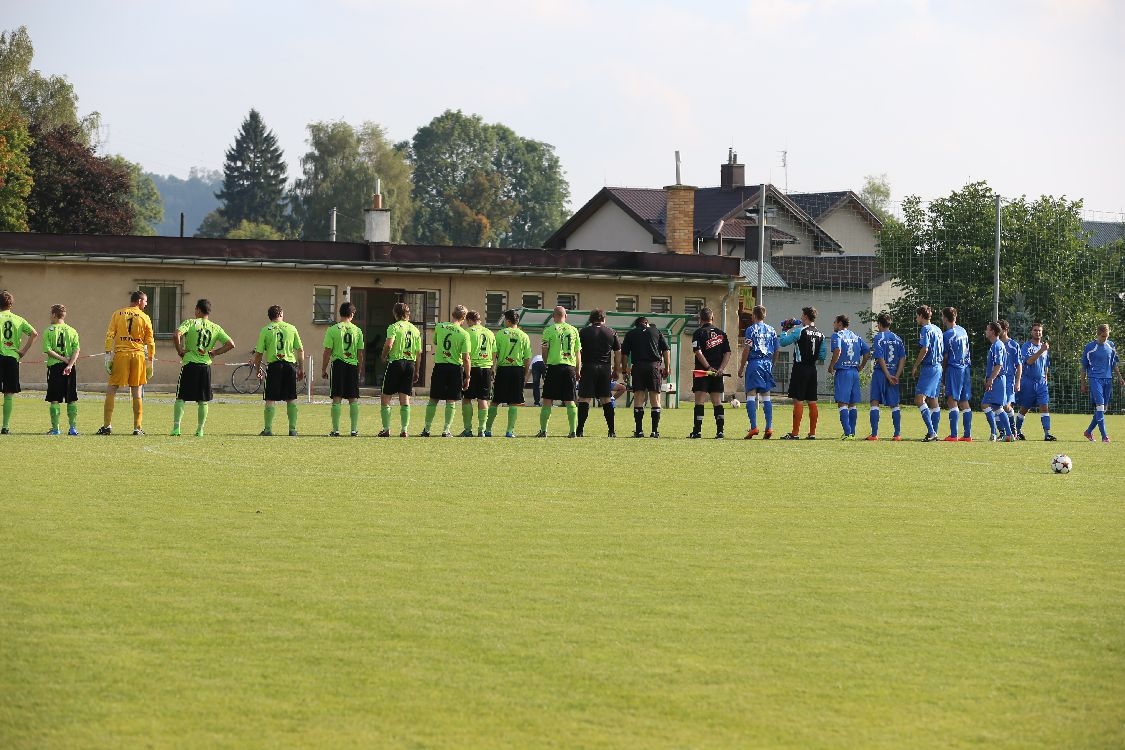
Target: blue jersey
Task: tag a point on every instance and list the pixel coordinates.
(930, 336)
(997, 355)
(1011, 358)
(1098, 359)
(851, 348)
(1037, 370)
(761, 340)
(956, 342)
(889, 348)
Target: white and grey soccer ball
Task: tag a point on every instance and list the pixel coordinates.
(734, 403)
(1062, 464)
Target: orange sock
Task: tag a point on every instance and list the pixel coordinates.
(107, 410)
(798, 412)
(814, 413)
(137, 410)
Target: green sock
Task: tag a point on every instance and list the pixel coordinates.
(482, 417)
(513, 414)
(54, 410)
(572, 416)
(491, 417)
(467, 415)
(404, 415)
(177, 413)
(385, 416)
(291, 412)
(9, 402)
(431, 412)
(270, 411)
(544, 418)
(201, 414)
(337, 407)
(450, 410)
(72, 413)
(353, 413)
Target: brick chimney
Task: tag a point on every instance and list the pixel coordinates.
(732, 175)
(679, 226)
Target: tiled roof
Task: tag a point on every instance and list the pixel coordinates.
(770, 277)
(839, 272)
(1104, 233)
(819, 205)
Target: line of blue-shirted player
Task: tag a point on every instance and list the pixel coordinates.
(1015, 375)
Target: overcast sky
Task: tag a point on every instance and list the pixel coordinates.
(1025, 94)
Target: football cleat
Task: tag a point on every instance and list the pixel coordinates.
(949, 439)
(384, 433)
(767, 434)
(871, 438)
(931, 438)
(138, 431)
(175, 432)
(654, 434)
(447, 433)
(53, 431)
(292, 433)
(72, 431)
(509, 434)
(106, 430)
(1089, 435)
(638, 434)
(720, 436)
(790, 436)
(1048, 437)
(896, 439)
(424, 433)
(694, 436)
(751, 433)
(965, 439)
(263, 433)
(541, 434)
(334, 433)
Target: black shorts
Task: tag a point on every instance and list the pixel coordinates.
(345, 380)
(595, 381)
(399, 378)
(561, 382)
(802, 383)
(509, 386)
(445, 382)
(707, 384)
(646, 377)
(281, 381)
(480, 384)
(9, 374)
(61, 387)
(195, 383)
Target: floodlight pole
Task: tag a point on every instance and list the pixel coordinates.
(761, 239)
(996, 267)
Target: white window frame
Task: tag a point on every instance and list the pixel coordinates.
(537, 295)
(318, 316)
(652, 305)
(632, 298)
(488, 319)
(574, 305)
(154, 290)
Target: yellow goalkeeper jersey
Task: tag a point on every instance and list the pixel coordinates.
(130, 330)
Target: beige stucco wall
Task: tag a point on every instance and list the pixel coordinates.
(850, 230)
(612, 229)
(804, 245)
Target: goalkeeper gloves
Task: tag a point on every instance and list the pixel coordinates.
(148, 369)
(108, 362)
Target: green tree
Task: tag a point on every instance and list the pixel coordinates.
(213, 225)
(253, 176)
(15, 172)
(876, 194)
(148, 208)
(477, 183)
(249, 230)
(340, 170)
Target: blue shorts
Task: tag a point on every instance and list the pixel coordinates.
(882, 390)
(1033, 394)
(1101, 391)
(1010, 386)
(929, 378)
(759, 375)
(846, 389)
(958, 385)
(995, 395)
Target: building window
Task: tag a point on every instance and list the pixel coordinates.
(324, 304)
(626, 303)
(660, 305)
(495, 303)
(692, 305)
(425, 307)
(532, 300)
(164, 299)
(567, 300)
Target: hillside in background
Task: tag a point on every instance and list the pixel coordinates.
(195, 197)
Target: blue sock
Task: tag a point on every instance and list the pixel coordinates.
(1019, 422)
(1093, 423)
(953, 415)
(752, 411)
(925, 410)
(844, 419)
(935, 420)
(988, 414)
(896, 419)
(875, 421)
(853, 418)
(1101, 424)
(1046, 420)
(967, 423)
(1005, 423)
(767, 409)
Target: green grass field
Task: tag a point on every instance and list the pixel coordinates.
(243, 592)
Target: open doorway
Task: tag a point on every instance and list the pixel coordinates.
(374, 312)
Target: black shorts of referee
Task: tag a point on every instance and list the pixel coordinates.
(480, 384)
(508, 388)
(595, 382)
(195, 383)
(399, 378)
(61, 387)
(344, 380)
(707, 384)
(445, 382)
(561, 383)
(647, 377)
(802, 382)
(281, 381)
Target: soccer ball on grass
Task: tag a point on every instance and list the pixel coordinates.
(734, 403)
(1061, 464)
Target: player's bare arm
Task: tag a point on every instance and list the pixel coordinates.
(222, 349)
(387, 346)
(30, 339)
(325, 357)
(300, 364)
(921, 356)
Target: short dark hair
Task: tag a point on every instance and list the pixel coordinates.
(274, 312)
(641, 321)
(1004, 325)
(597, 315)
(58, 310)
(473, 316)
(949, 313)
(809, 312)
(203, 305)
(511, 316)
(844, 320)
(401, 311)
(883, 319)
(707, 314)
(993, 326)
(1037, 324)
(924, 311)
(135, 297)
(347, 310)
(6, 300)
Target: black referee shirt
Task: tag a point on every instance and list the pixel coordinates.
(599, 342)
(644, 345)
(712, 342)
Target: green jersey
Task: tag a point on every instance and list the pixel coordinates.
(200, 337)
(345, 339)
(562, 344)
(513, 348)
(14, 329)
(482, 345)
(61, 339)
(450, 342)
(279, 341)
(406, 342)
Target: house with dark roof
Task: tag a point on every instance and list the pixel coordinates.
(1102, 233)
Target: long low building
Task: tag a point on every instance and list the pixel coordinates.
(93, 275)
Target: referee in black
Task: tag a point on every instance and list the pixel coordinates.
(601, 362)
(712, 353)
(644, 344)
